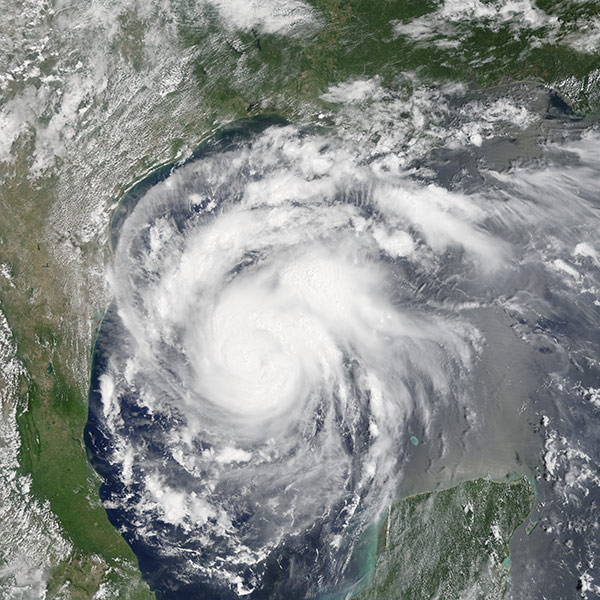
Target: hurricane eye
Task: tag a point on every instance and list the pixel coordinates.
(261, 359)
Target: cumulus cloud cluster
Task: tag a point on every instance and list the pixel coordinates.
(257, 292)
(283, 309)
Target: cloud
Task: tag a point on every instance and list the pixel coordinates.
(286, 309)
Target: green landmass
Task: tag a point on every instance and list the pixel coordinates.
(239, 74)
(54, 408)
(450, 544)
(247, 73)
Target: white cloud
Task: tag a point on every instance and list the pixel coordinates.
(452, 16)
(31, 539)
(269, 16)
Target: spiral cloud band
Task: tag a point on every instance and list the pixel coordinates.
(283, 310)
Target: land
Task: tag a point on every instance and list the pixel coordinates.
(55, 296)
(451, 544)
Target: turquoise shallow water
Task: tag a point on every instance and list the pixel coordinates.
(456, 417)
(91, 95)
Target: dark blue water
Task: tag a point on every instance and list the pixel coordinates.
(531, 394)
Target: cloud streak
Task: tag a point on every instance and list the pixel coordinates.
(284, 312)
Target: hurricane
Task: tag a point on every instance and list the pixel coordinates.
(290, 318)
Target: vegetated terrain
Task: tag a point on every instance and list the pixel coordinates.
(451, 544)
(108, 140)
